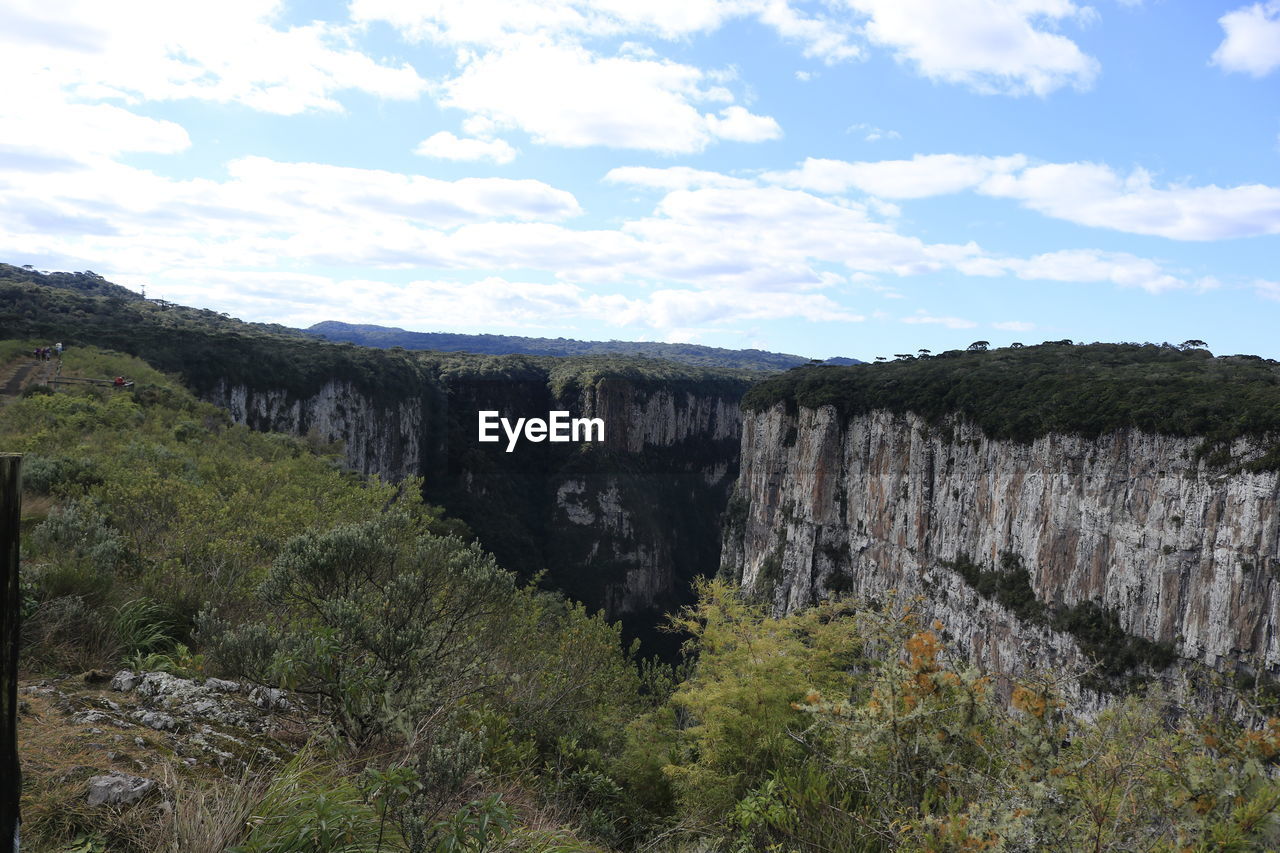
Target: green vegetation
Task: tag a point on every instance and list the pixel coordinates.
(450, 705)
(502, 497)
(205, 347)
(1024, 393)
(846, 728)
(159, 535)
(457, 709)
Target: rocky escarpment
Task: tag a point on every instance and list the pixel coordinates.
(1135, 531)
(391, 438)
(645, 512)
(623, 524)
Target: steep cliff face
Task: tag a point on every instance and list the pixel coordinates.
(622, 524)
(1179, 552)
(387, 438)
(642, 513)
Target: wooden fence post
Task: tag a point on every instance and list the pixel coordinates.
(10, 531)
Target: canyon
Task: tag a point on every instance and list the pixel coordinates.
(1048, 506)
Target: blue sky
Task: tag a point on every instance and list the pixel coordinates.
(841, 177)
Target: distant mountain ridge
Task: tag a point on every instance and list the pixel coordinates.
(694, 354)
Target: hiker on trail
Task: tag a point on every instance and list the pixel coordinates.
(58, 349)
(119, 382)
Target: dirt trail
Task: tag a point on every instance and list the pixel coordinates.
(18, 374)
(18, 380)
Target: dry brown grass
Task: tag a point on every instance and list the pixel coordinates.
(208, 815)
(57, 760)
(197, 811)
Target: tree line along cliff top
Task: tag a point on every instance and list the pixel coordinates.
(1024, 393)
(206, 347)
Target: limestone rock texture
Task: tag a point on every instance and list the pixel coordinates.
(647, 514)
(1180, 551)
(622, 524)
(378, 438)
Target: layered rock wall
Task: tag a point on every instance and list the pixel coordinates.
(1181, 552)
(623, 524)
(384, 438)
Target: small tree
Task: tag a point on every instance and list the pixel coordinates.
(979, 346)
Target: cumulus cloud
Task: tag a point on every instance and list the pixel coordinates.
(499, 23)
(1252, 42)
(710, 252)
(445, 146)
(987, 45)
(739, 125)
(151, 50)
(50, 128)
(566, 95)
(1095, 195)
(1089, 265)
(264, 211)
(1090, 194)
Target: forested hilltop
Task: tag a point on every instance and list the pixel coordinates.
(385, 336)
(205, 346)
(1023, 393)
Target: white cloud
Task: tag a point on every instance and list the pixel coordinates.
(1252, 43)
(500, 23)
(152, 50)
(736, 124)
(566, 95)
(263, 212)
(1014, 326)
(1088, 265)
(445, 146)
(922, 318)
(336, 189)
(716, 248)
(668, 308)
(49, 128)
(1089, 194)
(921, 176)
(1094, 195)
(1267, 289)
(491, 302)
(872, 133)
(673, 178)
(989, 45)
(825, 38)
